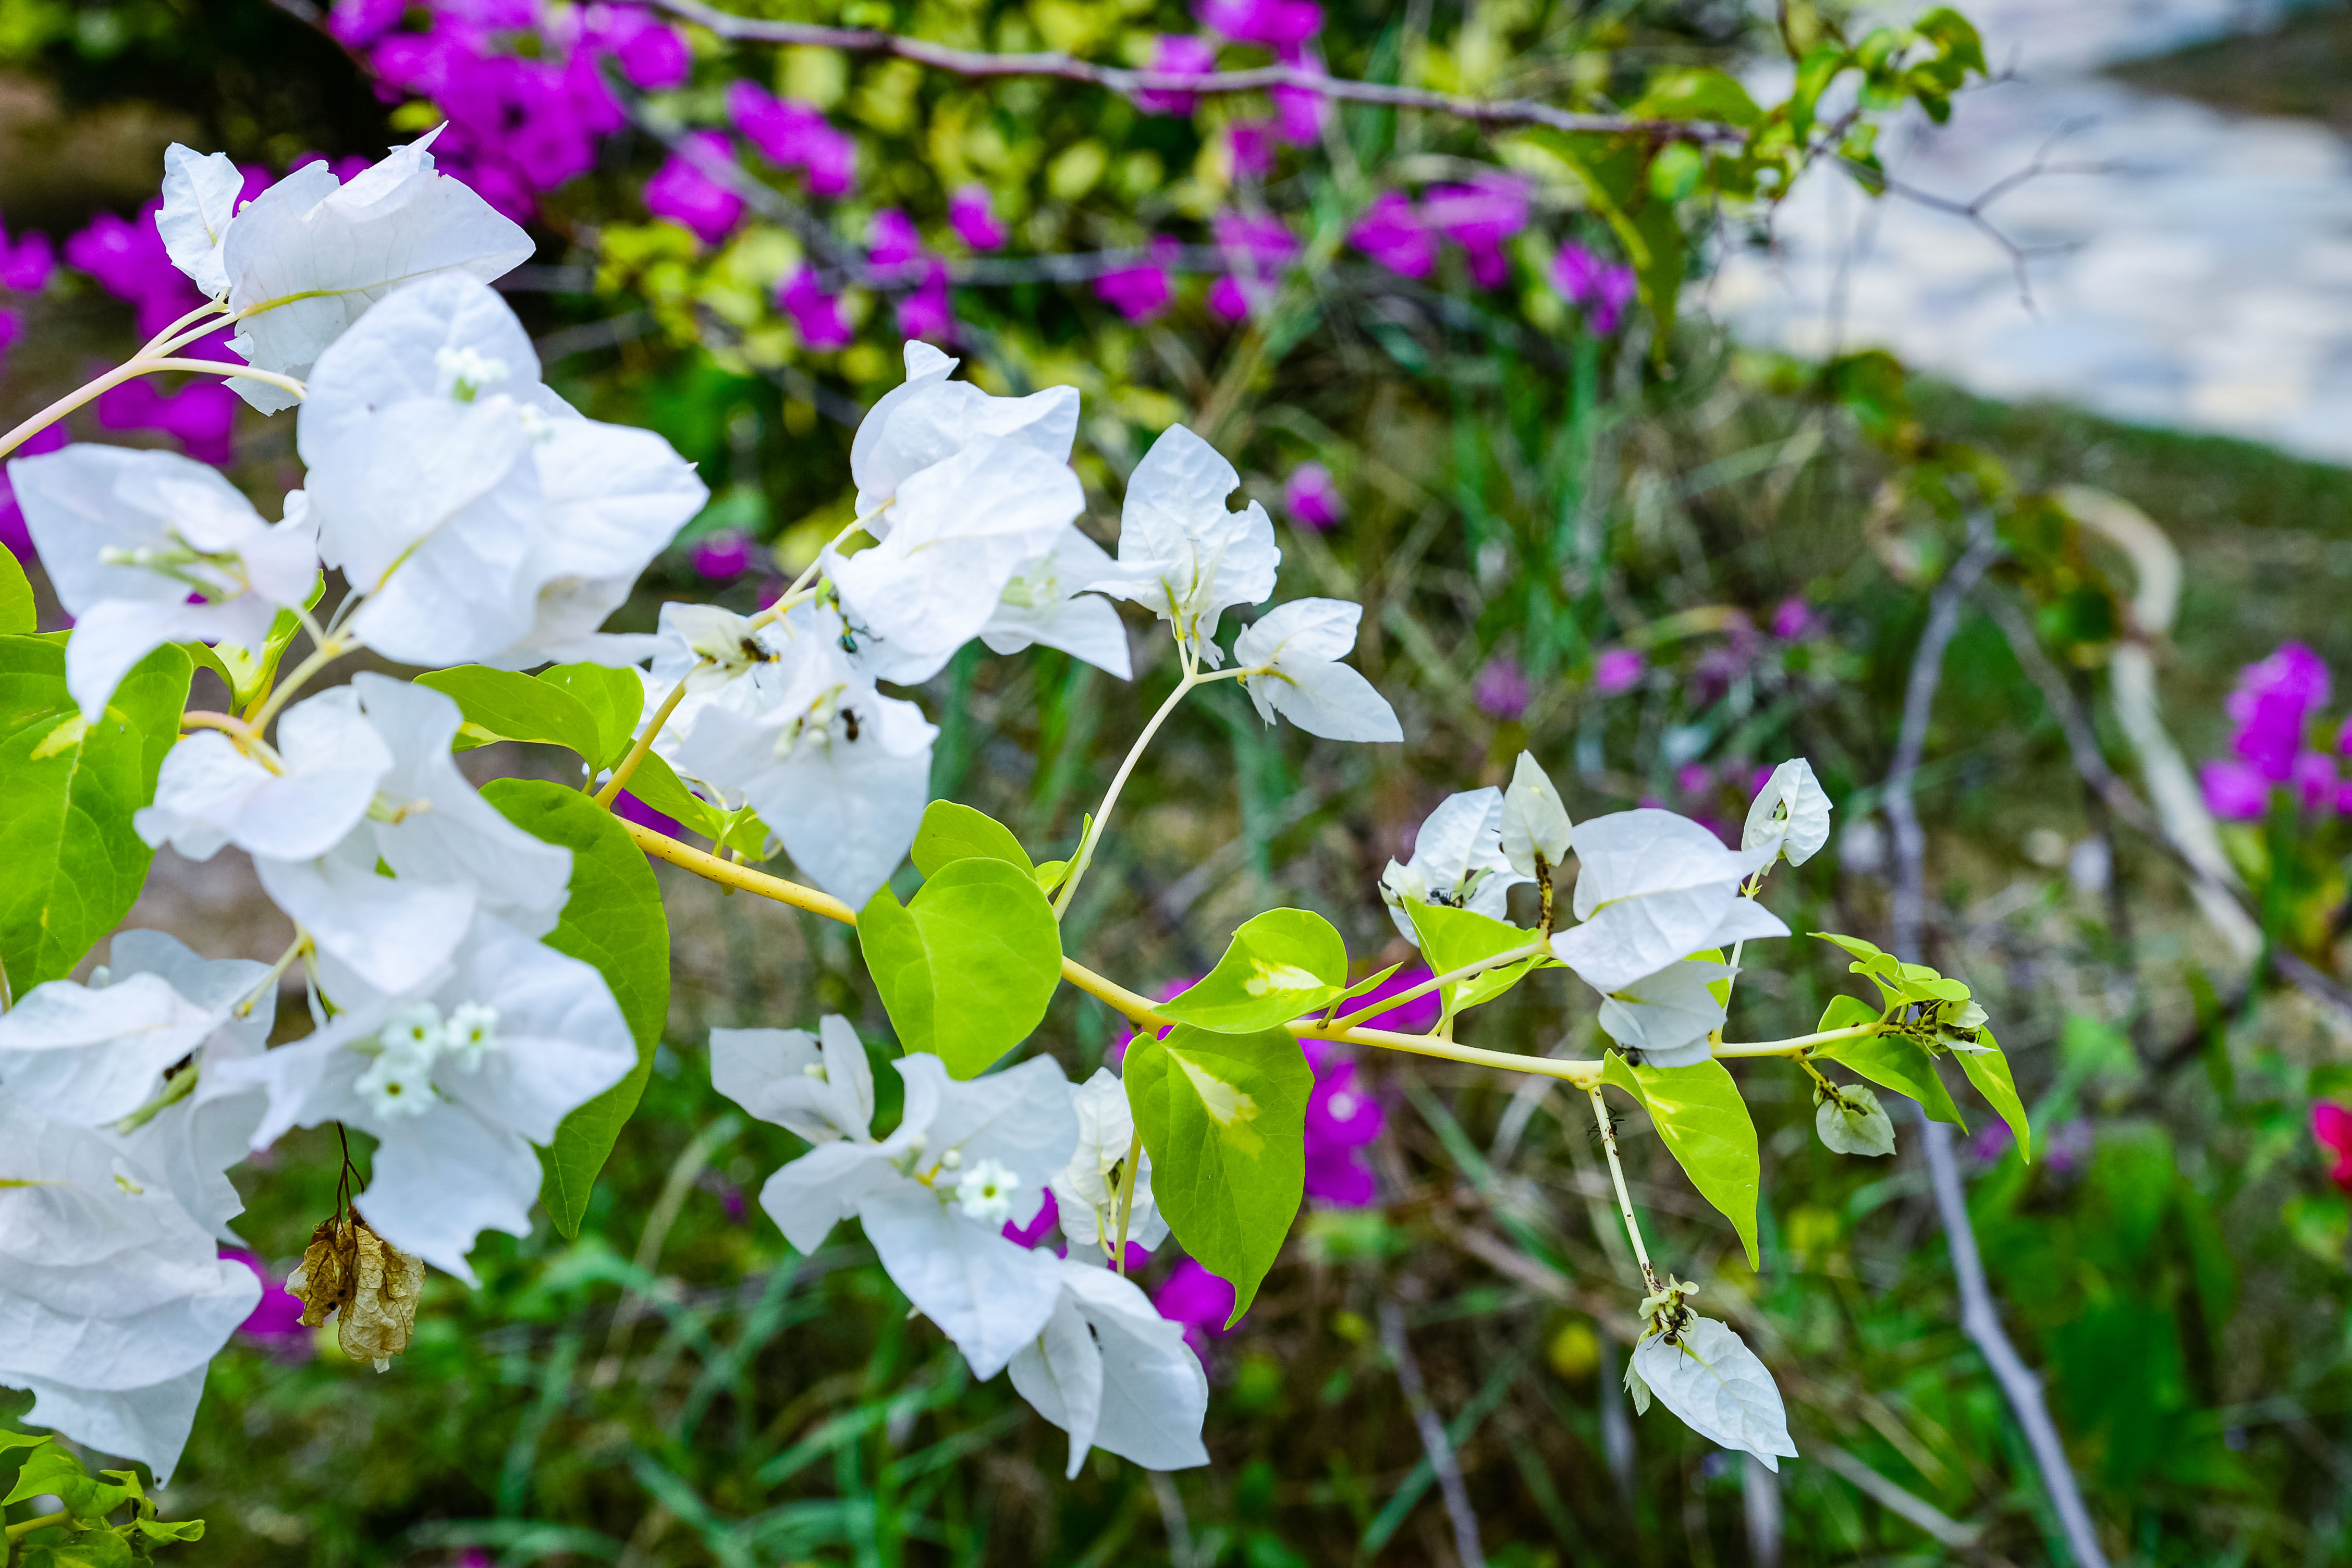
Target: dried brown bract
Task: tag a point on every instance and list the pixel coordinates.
(348, 1269)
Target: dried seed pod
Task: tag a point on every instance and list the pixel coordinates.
(324, 1281)
(381, 1316)
(348, 1269)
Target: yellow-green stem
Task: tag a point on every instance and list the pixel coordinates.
(1126, 1196)
(620, 779)
(1624, 1198)
(1516, 955)
(325, 654)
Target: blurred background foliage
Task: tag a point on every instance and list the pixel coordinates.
(1657, 559)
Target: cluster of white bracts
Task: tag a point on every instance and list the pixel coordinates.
(1083, 1344)
(478, 518)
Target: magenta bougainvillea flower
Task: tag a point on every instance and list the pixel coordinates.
(201, 416)
(1276, 24)
(1602, 291)
(1501, 689)
(1311, 499)
(2272, 711)
(973, 215)
(1177, 52)
(1392, 234)
(2331, 1128)
(1615, 670)
(816, 314)
(680, 192)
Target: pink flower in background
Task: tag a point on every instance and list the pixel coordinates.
(12, 531)
(2315, 780)
(1600, 290)
(1275, 25)
(680, 192)
(2234, 792)
(1794, 620)
(817, 315)
(275, 1320)
(356, 24)
(723, 556)
(1616, 670)
(927, 312)
(1198, 1300)
(1253, 142)
(1139, 294)
(973, 216)
(201, 416)
(1255, 247)
(2271, 705)
(653, 55)
(629, 806)
(1392, 234)
(1030, 1235)
(1417, 1016)
(2331, 1129)
(1693, 778)
(891, 239)
(1501, 689)
(1479, 217)
(1342, 1117)
(1180, 52)
(1311, 499)
(26, 265)
(794, 136)
(1300, 114)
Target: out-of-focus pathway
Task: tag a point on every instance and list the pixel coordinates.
(2203, 280)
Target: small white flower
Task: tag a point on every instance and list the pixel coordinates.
(414, 1029)
(1181, 555)
(470, 1035)
(146, 548)
(398, 1084)
(308, 256)
(986, 1191)
(1090, 1191)
(1791, 810)
(1292, 653)
(1535, 822)
(1457, 861)
(1652, 887)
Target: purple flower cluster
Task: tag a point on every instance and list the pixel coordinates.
(201, 416)
(275, 1320)
(1616, 670)
(793, 135)
(1311, 499)
(1342, 1116)
(1284, 27)
(1258, 249)
(1501, 689)
(1480, 216)
(2272, 711)
(520, 81)
(1142, 291)
(24, 267)
(1600, 290)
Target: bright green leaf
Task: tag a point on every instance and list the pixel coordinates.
(1049, 875)
(500, 705)
(1364, 987)
(1705, 1125)
(1889, 1061)
(613, 920)
(967, 966)
(97, 1548)
(615, 699)
(51, 1469)
(1988, 1071)
(171, 1528)
(19, 613)
(1280, 965)
(951, 831)
(1224, 1120)
(656, 783)
(68, 790)
(1697, 93)
(1454, 939)
(21, 1439)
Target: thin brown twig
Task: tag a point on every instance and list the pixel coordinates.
(1980, 1312)
(980, 63)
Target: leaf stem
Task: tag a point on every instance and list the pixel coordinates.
(25, 1527)
(1624, 1198)
(1135, 1008)
(1800, 1044)
(620, 779)
(1085, 856)
(787, 600)
(247, 736)
(1127, 1197)
(1533, 950)
(326, 653)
